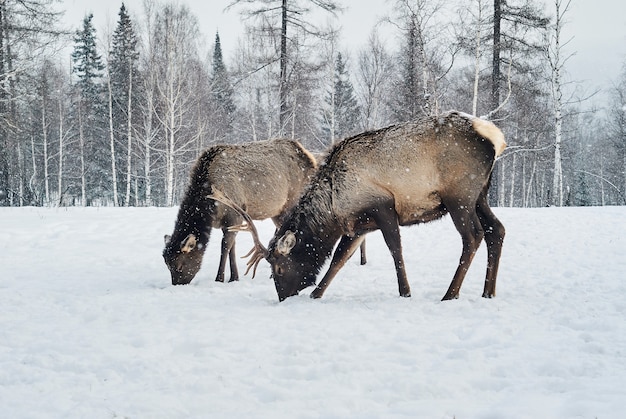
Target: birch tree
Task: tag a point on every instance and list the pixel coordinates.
(374, 71)
(176, 34)
(148, 129)
(28, 30)
(479, 19)
(557, 60)
(616, 127)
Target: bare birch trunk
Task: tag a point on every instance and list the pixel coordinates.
(512, 191)
(34, 164)
(21, 174)
(477, 55)
(129, 132)
(81, 136)
(46, 176)
(170, 164)
(556, 64)
(146, 162)
(60, 174)
(112, 143)
(282, 117)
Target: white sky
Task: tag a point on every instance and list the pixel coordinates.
(597, 29)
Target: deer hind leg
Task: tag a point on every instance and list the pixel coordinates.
(494, 237)
(228, 252)
(363, 253)
(468, 225)
(345, 249)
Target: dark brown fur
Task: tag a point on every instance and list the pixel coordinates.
(397, 176)
(265, 178)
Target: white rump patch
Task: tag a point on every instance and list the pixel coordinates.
(489, 131)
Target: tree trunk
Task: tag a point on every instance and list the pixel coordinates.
(5, 186)
(129, 132)
(477, 55)
(283, 70)
(112, 144)
(495, 93)
(31, 183)
(556, 63)
(495, 64)
(83, 178)
(60, 174)
(46, 176)
(171, 143)
(146, 161)
(512, 191)
(20, 175)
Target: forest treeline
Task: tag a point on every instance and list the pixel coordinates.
(118, 118)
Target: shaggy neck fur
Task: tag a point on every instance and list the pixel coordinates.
(196, 212)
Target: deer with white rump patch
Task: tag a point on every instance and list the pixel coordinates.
(405, 174)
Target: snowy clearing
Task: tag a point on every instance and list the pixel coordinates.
(92, 328)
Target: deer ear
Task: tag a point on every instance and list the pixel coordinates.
(286, 243)
(167, 239)
(188, 244)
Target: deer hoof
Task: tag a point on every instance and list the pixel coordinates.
(317, 293)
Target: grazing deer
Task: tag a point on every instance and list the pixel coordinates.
(404, 174)
(264, 178)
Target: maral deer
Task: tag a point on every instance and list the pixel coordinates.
(409, 173)
(264, 178)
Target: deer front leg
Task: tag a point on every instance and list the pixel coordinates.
(232, 257)
(346, 247)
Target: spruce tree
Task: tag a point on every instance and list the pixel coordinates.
(408, 103)
(89, 113)
(87, 63)
(124, 73)
(124, 58)
(221, 93)
(342, 117)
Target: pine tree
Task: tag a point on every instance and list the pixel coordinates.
(88, 67)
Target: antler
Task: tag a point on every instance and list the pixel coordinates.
(258, 252)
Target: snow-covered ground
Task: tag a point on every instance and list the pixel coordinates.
(90, 326)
